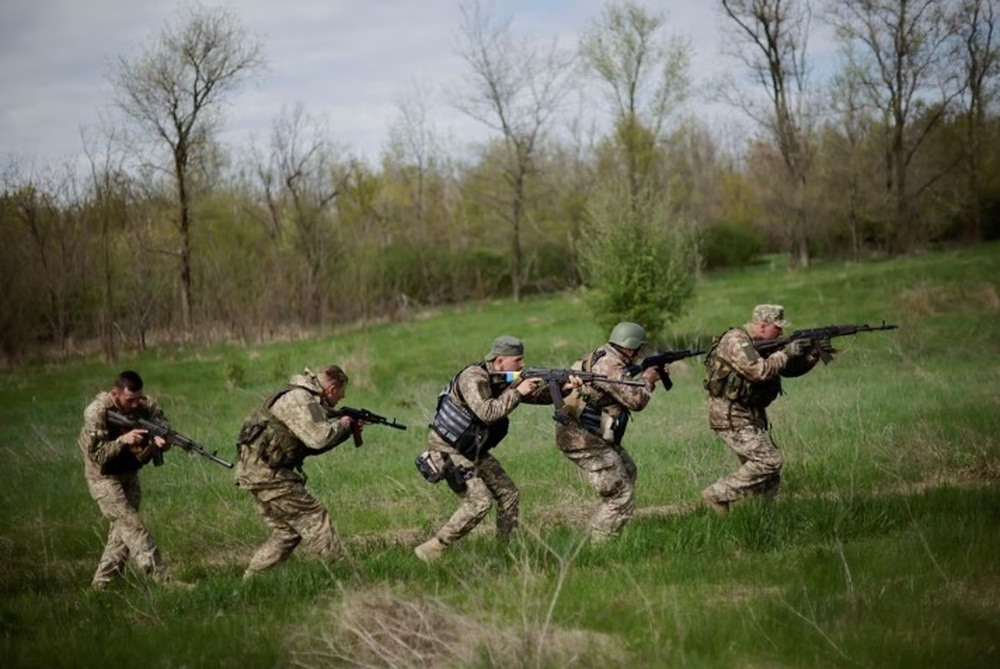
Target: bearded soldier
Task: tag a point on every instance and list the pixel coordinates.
(292, 424)
(741, 384)
(598, 414)
(112, 458)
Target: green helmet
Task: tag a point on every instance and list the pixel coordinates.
(628, 335)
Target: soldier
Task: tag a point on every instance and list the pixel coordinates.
(292, 424)
(471, 420)
(741, 384)
(598, 415)
(112, 459)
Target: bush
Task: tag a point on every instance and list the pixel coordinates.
(638, 266)
(725, 244)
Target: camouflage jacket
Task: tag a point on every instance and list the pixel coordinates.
(740, 382)
(611, 397)
(607, 404)
(295, 425)
(104, 453)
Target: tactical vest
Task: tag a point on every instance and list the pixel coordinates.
(721, 380)
(276, 445)
(605, 420)
(460, 428)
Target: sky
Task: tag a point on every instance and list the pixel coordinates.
(350, 63)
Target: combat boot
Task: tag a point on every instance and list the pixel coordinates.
(721, 508)
(430, 550)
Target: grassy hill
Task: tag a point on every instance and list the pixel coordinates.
(881, 551)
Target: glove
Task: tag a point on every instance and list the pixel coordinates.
(797, 348)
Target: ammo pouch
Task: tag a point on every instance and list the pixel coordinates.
(720, 380)
(590, 420)
(279, 448)
(428, 469)
(447, 471)
(604, 425)
(276, 446)
(761, 395)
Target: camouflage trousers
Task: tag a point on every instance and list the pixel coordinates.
(760, 465)
(610, 471)
(118, 498)
(294, 516)
(489, 482)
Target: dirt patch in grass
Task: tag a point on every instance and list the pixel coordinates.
(379, 628)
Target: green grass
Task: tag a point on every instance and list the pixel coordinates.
(881, 551)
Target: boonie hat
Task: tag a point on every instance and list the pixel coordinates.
(770, 313)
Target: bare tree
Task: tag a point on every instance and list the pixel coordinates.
(847, 165)
(301, 180)
(645, 78)
(771, 40)
(174, 92)
(898, 49)
(46, 207)
(110, 202)
(514, 86)
(413, 151)
(974, 23)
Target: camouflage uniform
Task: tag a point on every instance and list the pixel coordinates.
(606, 465)
(474, 474)
(741, 385)
(111, 470)
(293, 425)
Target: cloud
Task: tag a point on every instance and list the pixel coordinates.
(349, 61)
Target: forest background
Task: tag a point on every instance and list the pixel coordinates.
(168, 235)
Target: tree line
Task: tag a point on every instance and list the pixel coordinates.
(168, 235)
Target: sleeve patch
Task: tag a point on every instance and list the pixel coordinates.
(750, 351)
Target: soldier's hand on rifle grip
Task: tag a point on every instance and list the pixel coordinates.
(527, 386)
(573, 383)
(797, 347)
(651, 374)
(134, 437)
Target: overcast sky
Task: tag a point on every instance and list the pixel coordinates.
(349, 62)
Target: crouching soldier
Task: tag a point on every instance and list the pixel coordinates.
(291, 425)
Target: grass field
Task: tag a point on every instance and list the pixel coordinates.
(881, 551)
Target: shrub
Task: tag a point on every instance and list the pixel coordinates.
(725, 244)
(638, 264)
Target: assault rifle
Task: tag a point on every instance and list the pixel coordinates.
(658, 360)
(365, 416)
(820, 337)
(170, 436)
(556, 378)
